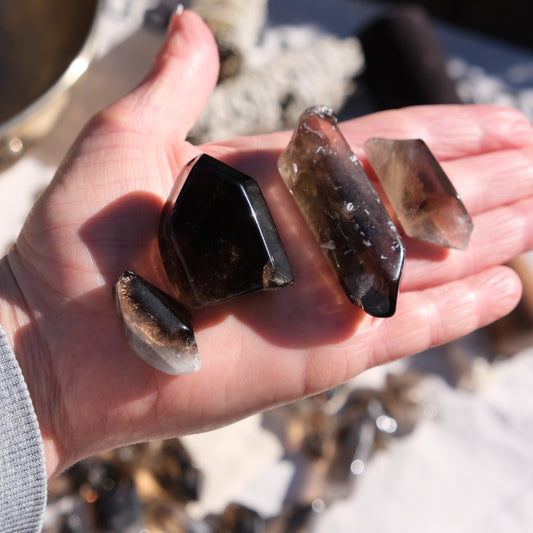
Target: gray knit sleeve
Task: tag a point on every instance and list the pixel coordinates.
(22, 467)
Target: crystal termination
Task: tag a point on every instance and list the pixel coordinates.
(344, 212)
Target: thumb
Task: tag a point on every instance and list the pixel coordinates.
(173, 94)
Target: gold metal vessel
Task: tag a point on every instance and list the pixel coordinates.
(45, 47)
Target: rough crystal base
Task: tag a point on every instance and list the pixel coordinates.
(344, 212)
(424, 199)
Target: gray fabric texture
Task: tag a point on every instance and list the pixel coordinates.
(22, 467)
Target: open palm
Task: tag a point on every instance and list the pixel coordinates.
(100, 217)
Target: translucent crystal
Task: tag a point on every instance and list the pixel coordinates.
(424, 199)
(158, 328)
(217, 238)
(344, 212)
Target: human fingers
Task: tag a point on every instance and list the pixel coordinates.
(451, 131)
(488, 154)
(138, 142)
(439, 314)
(487, 164)
(489, 180)
(488, 170)
(497, 189)
(168, 101)
(499, 235)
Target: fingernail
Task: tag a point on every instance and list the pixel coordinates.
(178, 11)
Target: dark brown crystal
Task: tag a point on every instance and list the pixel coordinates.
(158, 328)
(344, 212)
(174, 469)
(423, 197)
(217, 238)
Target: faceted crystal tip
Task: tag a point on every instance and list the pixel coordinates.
(344, 212)
(217, 237)
(158, 328)
(423, 197)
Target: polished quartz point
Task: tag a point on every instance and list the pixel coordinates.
(344, 212)
(424, 199)
(217, 238)
(158, 328)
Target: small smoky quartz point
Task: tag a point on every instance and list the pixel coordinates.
(158, 328)
(344, 212)
(217, 238)
(423, 197)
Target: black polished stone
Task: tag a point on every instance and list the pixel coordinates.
(217, 238)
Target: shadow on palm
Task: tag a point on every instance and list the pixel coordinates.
(313, 312)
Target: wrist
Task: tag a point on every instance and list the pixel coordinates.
(22, 331)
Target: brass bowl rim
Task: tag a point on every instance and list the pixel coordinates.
(74, 71)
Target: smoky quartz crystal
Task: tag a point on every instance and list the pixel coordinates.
(344, 212)
(158, 328)
(217, 238)
(423, 197)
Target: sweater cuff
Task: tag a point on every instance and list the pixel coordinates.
(22, 465)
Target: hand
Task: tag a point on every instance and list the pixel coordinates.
(100, 216)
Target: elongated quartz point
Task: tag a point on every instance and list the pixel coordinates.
(158, 328)
(217, 238)
(344, 212)
(424, 199)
